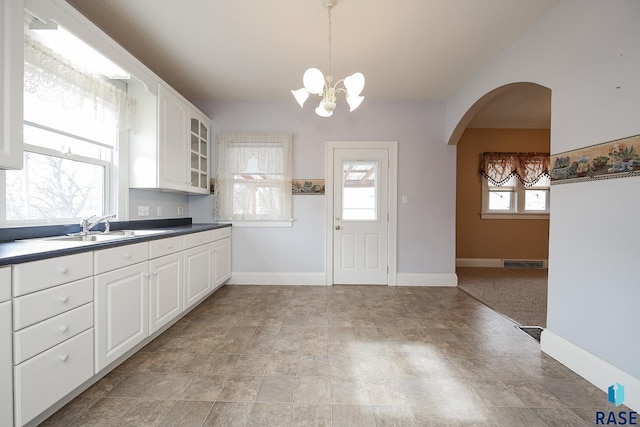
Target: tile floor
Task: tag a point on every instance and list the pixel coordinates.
(338, 356)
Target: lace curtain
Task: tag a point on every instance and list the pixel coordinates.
(528, 168)
(53, 78)
(253, 182)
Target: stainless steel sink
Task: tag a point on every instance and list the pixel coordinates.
(85, 238)
(104, 237)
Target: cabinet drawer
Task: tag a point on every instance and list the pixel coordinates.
(221, 233)
(5, 283)
(43, 380)
(122, 256)
(44, 335)
(42, 305)
(6, 366)
(197, 239)
(158, 248)
(36, 275)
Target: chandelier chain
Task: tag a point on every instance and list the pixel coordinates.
(329, 14)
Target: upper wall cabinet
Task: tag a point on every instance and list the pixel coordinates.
(200, 147)
(11, 76)
(170, 145)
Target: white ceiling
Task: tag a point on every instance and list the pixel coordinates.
(258, 49)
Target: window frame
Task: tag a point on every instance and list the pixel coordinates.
(226, 178)
(115, 179)
(517, 210)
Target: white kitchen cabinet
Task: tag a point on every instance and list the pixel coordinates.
(199, 151)
(173, 115)
(165, 281)
(37, 275)
(11, 82)
(120, 256)
(46, 378)
(121, 307)
(198, 274)
(221, 256)
(6, 364)
(52, 331)
(165, 290)
(198, 278)
(38, 306)
(170, 145)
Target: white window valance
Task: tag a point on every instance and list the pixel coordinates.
(253, 180)
(53, 78)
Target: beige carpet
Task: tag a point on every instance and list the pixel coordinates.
(520, 294)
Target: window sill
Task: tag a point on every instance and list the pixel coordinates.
(265, 224)
(513, 215)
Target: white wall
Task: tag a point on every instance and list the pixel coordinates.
(588, 54)
(426, 224)
(161, 204)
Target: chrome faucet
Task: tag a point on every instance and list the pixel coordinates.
(88, 223)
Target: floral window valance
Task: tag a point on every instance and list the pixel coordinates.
(55, 79)
(528, 168)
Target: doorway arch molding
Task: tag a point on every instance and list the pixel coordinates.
(471, 112)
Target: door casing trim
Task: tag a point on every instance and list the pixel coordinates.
(392, 226)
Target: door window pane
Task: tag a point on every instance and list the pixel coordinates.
(360, 190)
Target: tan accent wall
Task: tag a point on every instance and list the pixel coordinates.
(495, 238)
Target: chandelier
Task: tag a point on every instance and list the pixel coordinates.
(315, 83)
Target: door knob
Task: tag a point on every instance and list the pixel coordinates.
(337, 227)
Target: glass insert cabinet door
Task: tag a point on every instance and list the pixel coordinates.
(199, 154)
(360, 190)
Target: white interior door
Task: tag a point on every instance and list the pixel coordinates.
(360, 216)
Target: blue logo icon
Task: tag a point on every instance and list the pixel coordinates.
(616, 394)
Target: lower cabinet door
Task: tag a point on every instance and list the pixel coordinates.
(46, 378)
(6, 365)
(121, 312)
(221, 261)
(198, 278)
(165, 290)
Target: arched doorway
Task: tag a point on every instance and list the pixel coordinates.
(512, 118)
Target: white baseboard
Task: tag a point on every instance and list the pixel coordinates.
(285, 279)
(318, 279)
(479, 262)
(426, 279)
(595, 370)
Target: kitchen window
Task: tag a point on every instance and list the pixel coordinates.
(253, 183)
(515, 185)
(72, 124)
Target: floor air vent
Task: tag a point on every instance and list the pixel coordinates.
(534, 331)
(520, 263)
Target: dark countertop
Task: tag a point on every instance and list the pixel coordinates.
(19, 251)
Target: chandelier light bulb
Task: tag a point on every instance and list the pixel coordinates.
(354, 84)
(301, 95)
(313, 81)
(322, 111)
(354, 102)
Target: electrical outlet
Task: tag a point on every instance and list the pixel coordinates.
(159, 211)
(143, 210)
